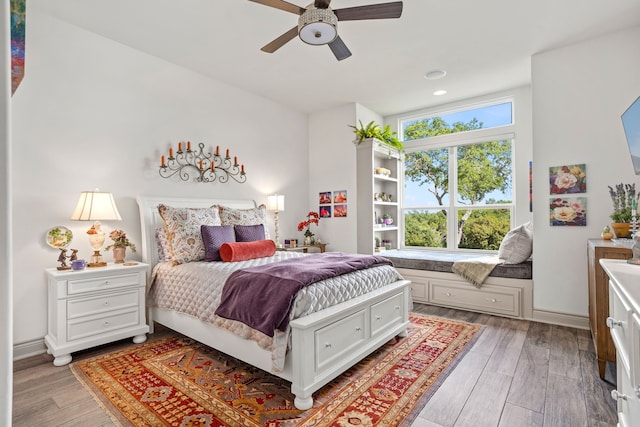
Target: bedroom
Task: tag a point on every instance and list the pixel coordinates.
(97, 113)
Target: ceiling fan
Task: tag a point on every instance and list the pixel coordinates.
(318, 23)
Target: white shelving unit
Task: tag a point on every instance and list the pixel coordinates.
(372, 154)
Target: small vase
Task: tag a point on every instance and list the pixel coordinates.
(307, 240)
(119, 254)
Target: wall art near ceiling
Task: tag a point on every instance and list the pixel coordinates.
(568, 179)
(339, 211)
(568, 211)
(340, 196)
(324, 198)
(324, 211)
(18, 18)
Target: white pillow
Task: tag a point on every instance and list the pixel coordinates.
(517, 245)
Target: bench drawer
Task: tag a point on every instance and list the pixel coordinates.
(334, 340)
(489, 299)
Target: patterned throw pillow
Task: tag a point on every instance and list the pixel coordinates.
(517, 245)
(162, 244)
(213, 236)
(253, 216)
(249, 233)
(183, 231)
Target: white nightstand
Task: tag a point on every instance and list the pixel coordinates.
(95, 306)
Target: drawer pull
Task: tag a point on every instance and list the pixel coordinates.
(106, 282)
(492, 299)
(397, 307)
(449, 294)
(328, 345)
(378, 317)
(358, 329)
(106, 303)
(615, 395)
(611, 322)
(105, 324)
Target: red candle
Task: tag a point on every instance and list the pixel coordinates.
(162, 161)
(200, 163)
(242, 169)
(227, 156)
(235, 161)
(213, 166)
(217, 150)
(179, 146)
(188, 145)
(170, 152)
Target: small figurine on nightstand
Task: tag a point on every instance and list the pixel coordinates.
(74, 255)
(62, 259)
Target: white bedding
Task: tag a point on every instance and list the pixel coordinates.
(195, 289)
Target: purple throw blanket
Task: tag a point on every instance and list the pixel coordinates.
(262, 297)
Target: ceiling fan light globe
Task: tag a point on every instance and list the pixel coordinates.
(318, 26)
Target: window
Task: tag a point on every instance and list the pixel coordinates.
(458, 179)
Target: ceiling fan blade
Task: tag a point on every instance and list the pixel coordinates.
(280, 41)
(282, 5)
(339, 49)
(321, 4)
(372, 11)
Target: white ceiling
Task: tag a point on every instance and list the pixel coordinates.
(485, 46)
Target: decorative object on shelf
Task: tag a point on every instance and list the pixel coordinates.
(62, 259)
(275, 204)
(96, 206)
(382, 171)
(606, 233)
(387, 220)
(120, 244)
(624, 200)
(207, 167)
(568, 179)
(78, 265)
(373, 130)
(312, 218)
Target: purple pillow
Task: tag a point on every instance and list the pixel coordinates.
(249, 233)
(213, 236)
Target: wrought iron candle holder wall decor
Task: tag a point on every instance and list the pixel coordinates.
(206, 167)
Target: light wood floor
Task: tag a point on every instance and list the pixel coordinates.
(517, 374)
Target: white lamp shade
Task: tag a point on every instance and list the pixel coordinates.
(275, 202)
(96, 206)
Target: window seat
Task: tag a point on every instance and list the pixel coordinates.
(442, 261)
(508, 291)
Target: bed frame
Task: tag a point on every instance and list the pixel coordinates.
(323, 344)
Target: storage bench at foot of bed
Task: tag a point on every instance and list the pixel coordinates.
(497, 295)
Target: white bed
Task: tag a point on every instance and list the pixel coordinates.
(323, 344)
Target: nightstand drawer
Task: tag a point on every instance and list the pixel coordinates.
(102, 283)
(93, 326)
(99, 304)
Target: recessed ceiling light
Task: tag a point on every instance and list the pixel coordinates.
(439, 92)
(435, 74)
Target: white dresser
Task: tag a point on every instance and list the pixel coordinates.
(624, 324)
(94, 306)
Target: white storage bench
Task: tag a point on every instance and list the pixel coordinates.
(508, 291)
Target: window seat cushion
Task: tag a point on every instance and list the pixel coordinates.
(442, 261)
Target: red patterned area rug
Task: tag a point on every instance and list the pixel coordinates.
(176, 381)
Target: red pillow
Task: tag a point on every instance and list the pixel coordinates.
(242, 251)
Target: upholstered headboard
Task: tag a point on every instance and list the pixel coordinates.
(150, 217)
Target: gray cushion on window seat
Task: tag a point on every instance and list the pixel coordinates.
(442, 261)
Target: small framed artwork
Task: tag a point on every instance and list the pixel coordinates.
(340, 196)
(339, 211)
(568, 211)
(324, 211)
(568, 179)
(324, 198)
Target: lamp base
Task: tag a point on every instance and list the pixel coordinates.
(97, 260)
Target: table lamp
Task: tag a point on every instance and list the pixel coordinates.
(96, 206)
(275, 203)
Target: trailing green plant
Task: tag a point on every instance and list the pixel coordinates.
(374, 130)
(622, 198)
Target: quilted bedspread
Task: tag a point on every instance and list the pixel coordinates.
(195, 289)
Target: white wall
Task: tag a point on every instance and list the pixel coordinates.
(579, 93)
(94, 113)
(6, 309)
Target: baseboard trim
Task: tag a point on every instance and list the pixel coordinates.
(562, 319)
(28, 349)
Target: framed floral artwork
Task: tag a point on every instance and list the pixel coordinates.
(324, 198)
(568, 211)
(340, 196)
(339, 211)
(324, 211)
(568, 179)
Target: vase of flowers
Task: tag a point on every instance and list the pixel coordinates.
(312, 218)
(120, 244)
(625, 200)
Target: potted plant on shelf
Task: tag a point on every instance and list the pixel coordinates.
(374, 130)
(120, 244)
(624, 201)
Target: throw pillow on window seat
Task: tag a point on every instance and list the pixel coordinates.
(517, 245)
